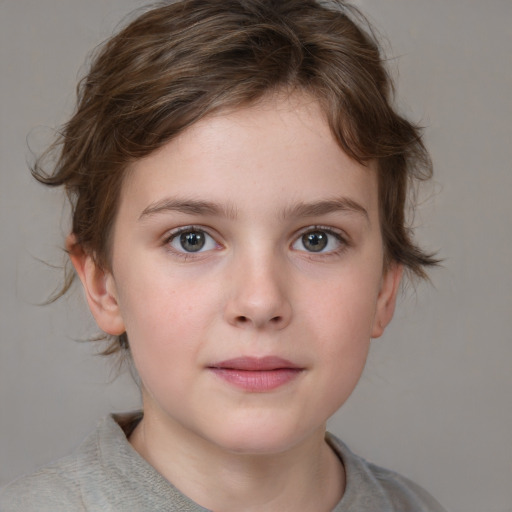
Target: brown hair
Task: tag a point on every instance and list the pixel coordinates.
(183, 60)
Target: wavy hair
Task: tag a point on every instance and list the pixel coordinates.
(183, 60)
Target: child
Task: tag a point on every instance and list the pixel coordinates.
(238, 180)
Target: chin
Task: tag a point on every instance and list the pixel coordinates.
(260, 439)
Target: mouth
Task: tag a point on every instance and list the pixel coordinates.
(256, 374)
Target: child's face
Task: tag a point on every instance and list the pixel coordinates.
(247, 270)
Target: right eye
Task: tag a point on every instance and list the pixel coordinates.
(191, 240)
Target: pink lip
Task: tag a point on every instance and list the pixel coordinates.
(256, 374)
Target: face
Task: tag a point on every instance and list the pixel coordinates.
(247, 270)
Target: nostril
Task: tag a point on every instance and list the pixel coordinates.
(244, 321)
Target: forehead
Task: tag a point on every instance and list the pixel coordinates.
(275, 153)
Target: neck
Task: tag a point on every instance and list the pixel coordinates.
(307, 477)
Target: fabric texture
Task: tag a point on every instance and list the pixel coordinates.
(105, 474)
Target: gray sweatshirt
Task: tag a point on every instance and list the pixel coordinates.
(105, 474)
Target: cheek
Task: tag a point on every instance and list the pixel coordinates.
(156, 302)
(165, 319)
(345, 335)
(340, 320)
(344, 310)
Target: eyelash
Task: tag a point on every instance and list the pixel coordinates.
(342, 240)
(186, 229)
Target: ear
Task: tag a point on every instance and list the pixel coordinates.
(386, 300)
(99, 287)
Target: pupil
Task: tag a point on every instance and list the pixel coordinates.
(192, 241)
(315, 241)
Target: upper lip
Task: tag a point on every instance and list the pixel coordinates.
(246, 363)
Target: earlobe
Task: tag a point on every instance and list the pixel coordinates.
(99, 287)
(386, 300)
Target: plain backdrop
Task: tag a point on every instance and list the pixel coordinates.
(435, 402)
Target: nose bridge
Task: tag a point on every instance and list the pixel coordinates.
(259, 293)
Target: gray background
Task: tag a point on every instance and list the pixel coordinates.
(435, 401)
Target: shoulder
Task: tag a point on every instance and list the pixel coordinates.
(370, 487)
(58, 486)
(105, 473)
(52, 488)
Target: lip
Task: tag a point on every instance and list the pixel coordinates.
(257, 374)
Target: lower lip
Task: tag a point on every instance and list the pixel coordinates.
(257, 381)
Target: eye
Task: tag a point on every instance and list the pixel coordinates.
(319, 240)
(191, 240)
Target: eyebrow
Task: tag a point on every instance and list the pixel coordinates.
(188, 206)
(317, 208)
(207, 208)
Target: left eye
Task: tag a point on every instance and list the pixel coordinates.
(192, 240)
(318, 240)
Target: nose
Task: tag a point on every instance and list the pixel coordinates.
(259, 295)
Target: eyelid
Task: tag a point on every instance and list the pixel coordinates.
(173, 234)
(338, 234)
(341, 237)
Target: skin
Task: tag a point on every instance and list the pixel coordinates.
(242, 180)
